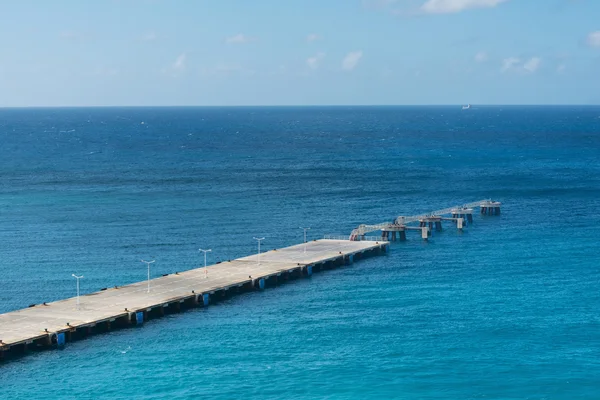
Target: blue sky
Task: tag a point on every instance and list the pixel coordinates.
(310, 52)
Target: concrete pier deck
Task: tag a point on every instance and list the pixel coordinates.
(56, 323)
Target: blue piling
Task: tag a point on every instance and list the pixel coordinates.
(139, 318)
(206, 299)
(60, 339)
(261, 283)
(309, 270)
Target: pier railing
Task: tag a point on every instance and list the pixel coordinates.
(361, 238)
(404, 220)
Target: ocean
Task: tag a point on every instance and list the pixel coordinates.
(507, 309)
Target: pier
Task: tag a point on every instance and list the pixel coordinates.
(460, 215)
(55, 324)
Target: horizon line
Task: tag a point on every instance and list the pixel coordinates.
(299, 105)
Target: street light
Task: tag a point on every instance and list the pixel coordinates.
(148, 264)
(305, 229)
(258, 256)
(205, 251)
(78, 278)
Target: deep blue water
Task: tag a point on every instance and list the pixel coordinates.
(506, 310)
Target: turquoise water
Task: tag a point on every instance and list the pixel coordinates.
(506, 310)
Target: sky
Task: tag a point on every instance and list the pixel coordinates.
(298, 52)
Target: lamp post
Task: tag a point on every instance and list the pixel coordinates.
(148, 264)
(205, 269)
(78, 278)
(305, 229)
(258, 256)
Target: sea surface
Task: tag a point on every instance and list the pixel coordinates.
(509, 309)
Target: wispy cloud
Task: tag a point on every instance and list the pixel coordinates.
(179, 64)
(455, 6)
(593, 39)
(314, 61)
(240, 38)
(312, 37)
(532, 64)
(177, 67)
(509, 63)
(481, 57)
(351, 60)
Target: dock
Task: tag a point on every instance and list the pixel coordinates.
(460, 215)
(55, 324)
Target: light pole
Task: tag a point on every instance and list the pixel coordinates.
(148, 264)
(305, 229)
(205, 270)
(258, 256)
(78, 278)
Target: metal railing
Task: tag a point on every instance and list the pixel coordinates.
(402, 220)
(360, 238)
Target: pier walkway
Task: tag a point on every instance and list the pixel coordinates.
(56, 323)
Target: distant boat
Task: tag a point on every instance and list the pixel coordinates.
(466, 107)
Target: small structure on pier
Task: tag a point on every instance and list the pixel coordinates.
(463, 212)
(490, 207)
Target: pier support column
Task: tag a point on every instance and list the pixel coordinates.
(424, 233)
(459, 223)
(205, 299)
(139, 318)
(61, 339)
(438, 226)
(394, 236)
(309, 270)
(402, 235)
(261, 283)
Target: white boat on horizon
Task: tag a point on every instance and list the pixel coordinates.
(466, 107)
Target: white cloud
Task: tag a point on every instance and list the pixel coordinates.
(593, 39)
(509, 63)
(454, 6)
(179, 64)
(312, 37)
(532, 64)
(481, 56)
(351, 60)
(314, 61)
(238, 39)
